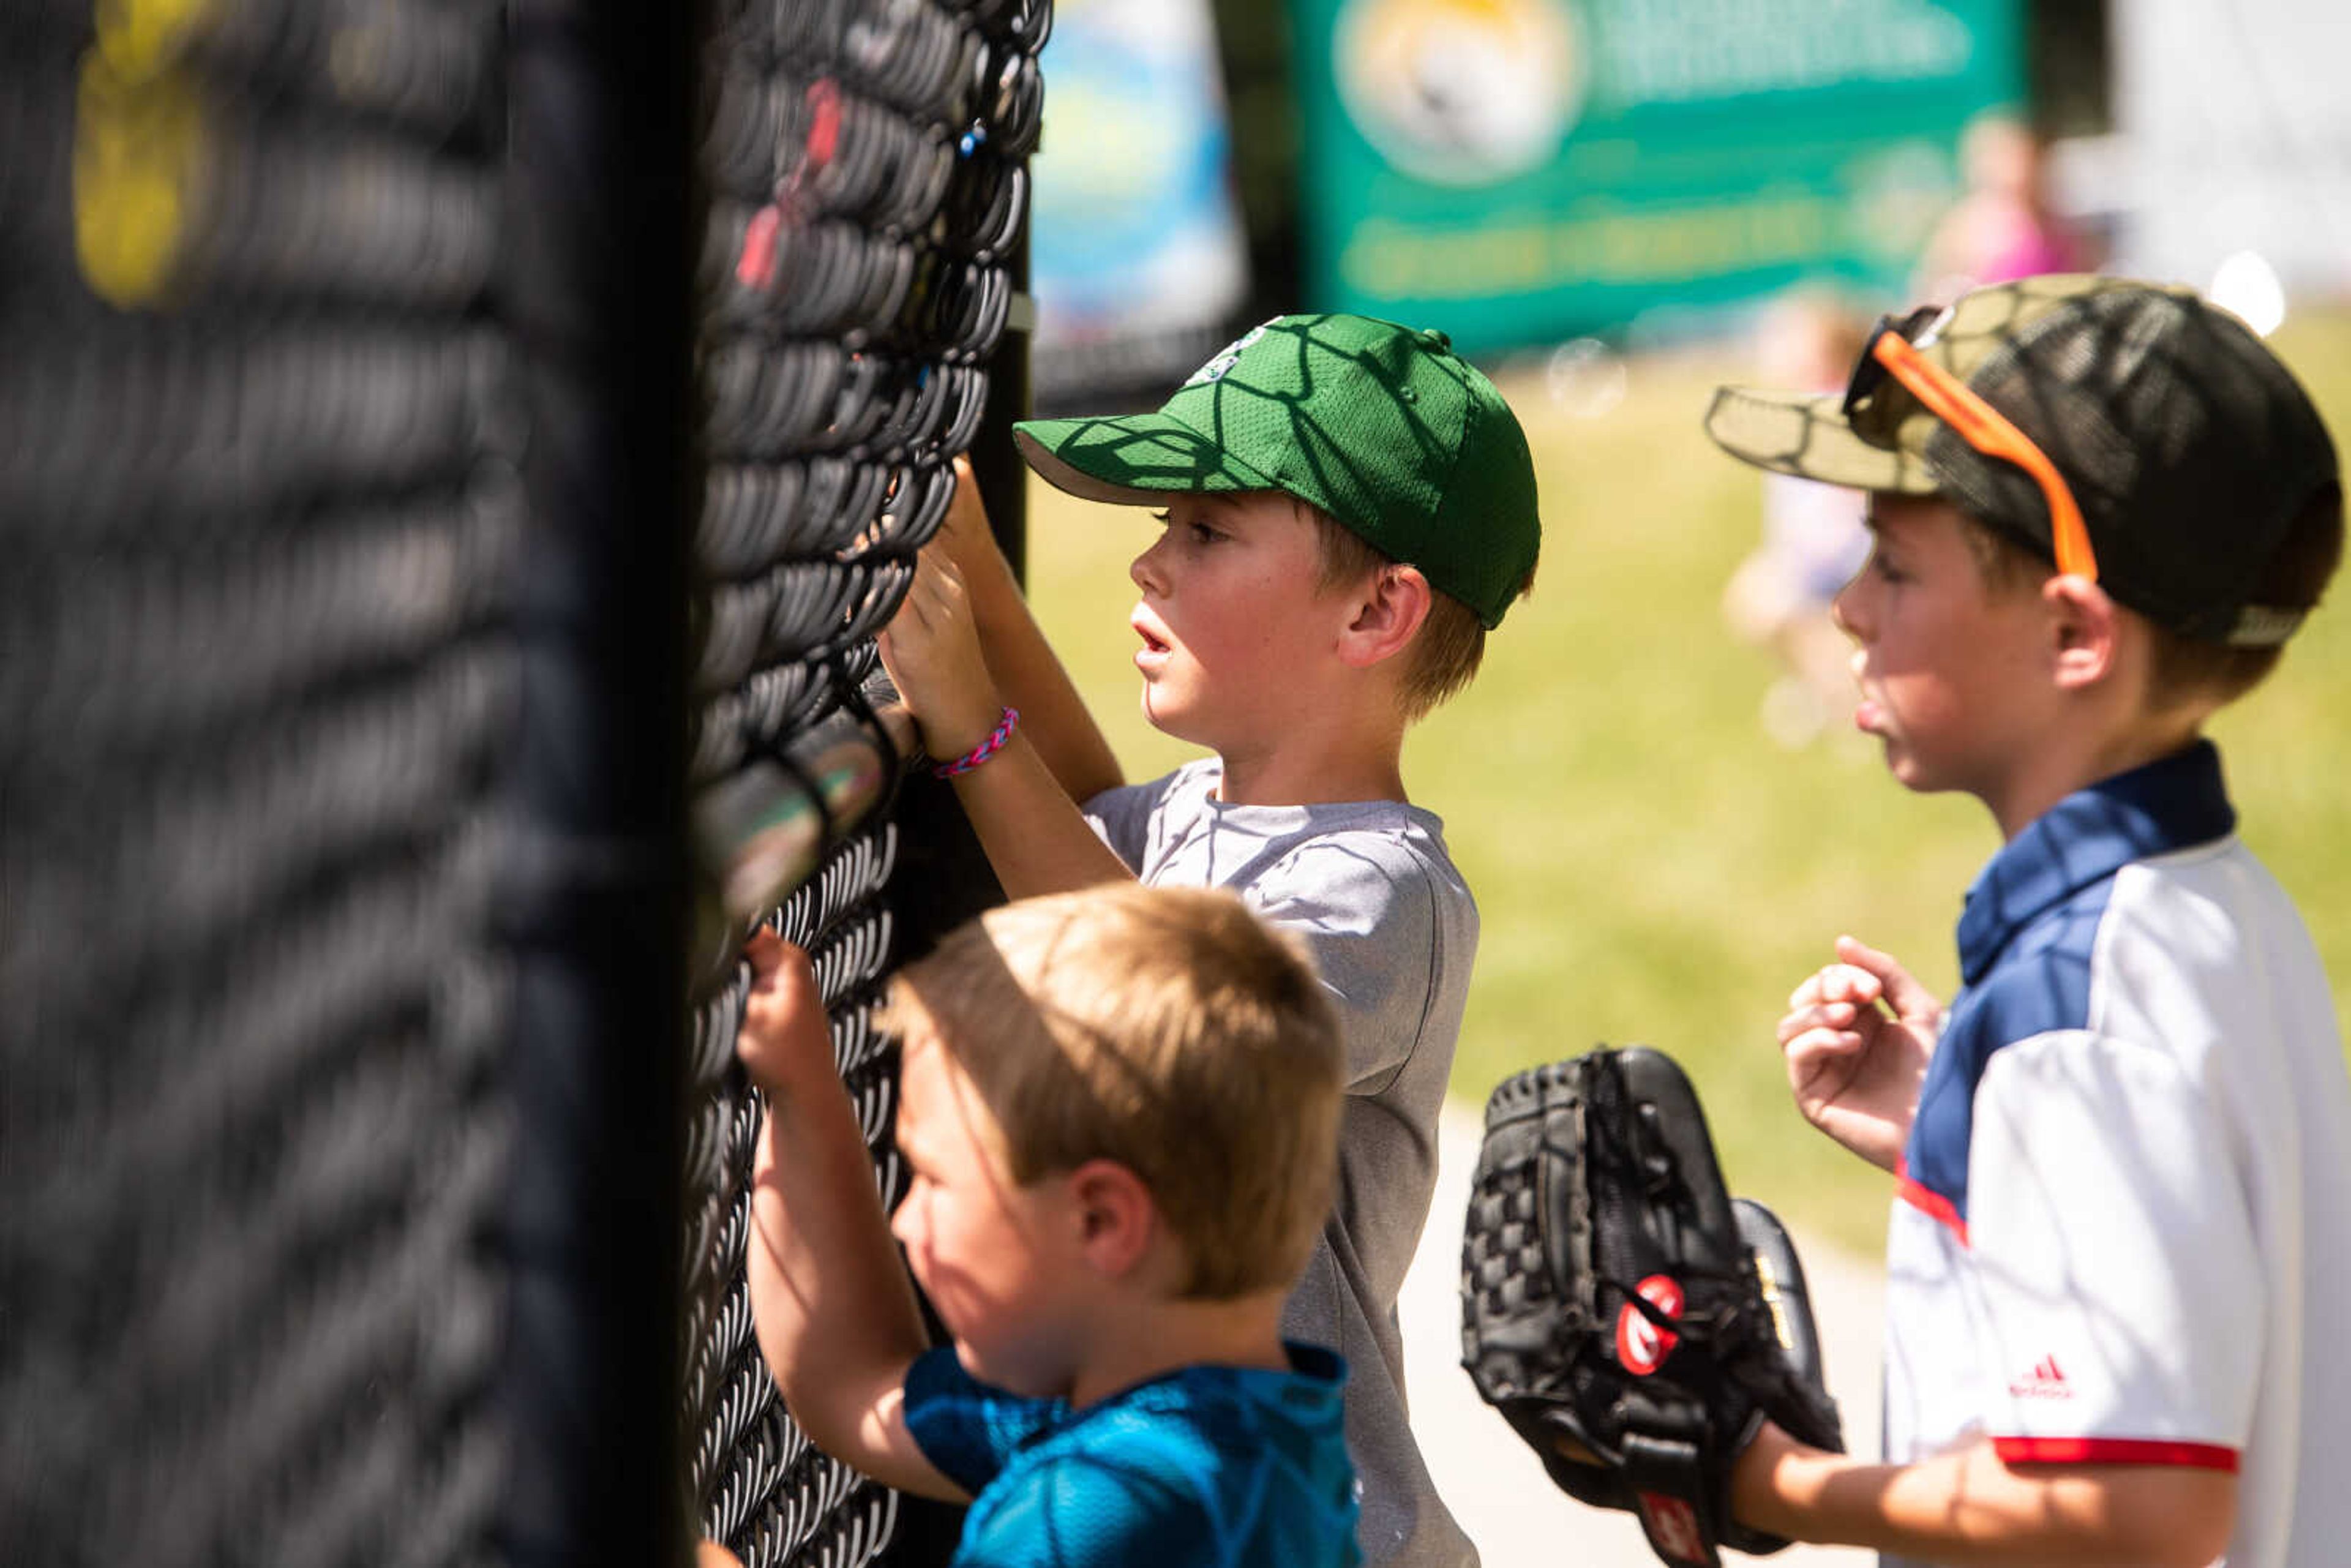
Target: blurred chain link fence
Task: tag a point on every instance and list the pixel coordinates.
(372, 630)
(259, 507)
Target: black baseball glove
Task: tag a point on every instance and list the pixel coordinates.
(1634, 1322)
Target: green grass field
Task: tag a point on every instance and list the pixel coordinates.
(1648, 865)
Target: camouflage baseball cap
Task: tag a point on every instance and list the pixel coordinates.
(1381, 426)
(2190, 447)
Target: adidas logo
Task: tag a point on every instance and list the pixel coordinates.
(2045, 1381)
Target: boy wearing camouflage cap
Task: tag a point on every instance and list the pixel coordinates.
(1346, 508)
(2121, 1228)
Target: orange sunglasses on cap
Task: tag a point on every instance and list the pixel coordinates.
(1980, 425)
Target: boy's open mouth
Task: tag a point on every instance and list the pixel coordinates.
(1151, 640)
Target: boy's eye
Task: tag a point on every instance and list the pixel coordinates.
(1200, 530)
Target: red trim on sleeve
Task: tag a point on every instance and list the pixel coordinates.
(1927, 1201)
(2114, 1451)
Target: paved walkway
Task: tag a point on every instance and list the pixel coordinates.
(1494, 1484)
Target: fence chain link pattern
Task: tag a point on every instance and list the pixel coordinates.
(867, 164)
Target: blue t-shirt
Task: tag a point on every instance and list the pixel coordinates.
(1208, 1466)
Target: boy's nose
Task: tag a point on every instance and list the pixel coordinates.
(1144, 569)
(1843, 608)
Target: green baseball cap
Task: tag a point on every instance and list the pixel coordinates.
(1381, 426)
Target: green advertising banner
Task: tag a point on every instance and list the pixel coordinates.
(1523, 170)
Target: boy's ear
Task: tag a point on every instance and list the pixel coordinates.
(2084, 623)
(1388, 612)
(1117, 1217)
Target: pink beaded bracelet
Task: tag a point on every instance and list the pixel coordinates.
(983, 751)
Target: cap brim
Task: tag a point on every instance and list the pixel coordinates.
(1807, 434)
(1131, 460)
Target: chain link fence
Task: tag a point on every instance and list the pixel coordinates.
(455, 457)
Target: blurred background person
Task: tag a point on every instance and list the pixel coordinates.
(1813, 535)
(2003, 226)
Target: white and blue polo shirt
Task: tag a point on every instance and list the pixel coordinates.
(2123, 1233)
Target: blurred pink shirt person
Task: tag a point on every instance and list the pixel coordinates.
(2003, 227)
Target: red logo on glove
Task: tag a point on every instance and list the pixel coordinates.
(1673, 1526)
(1641, 1345)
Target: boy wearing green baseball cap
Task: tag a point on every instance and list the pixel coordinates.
(1346, 508)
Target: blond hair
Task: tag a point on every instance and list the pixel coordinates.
(1444, 654)
(1169, 1030)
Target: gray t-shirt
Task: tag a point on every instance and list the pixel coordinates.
(1369, 886)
